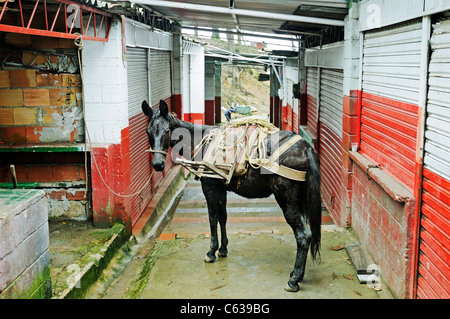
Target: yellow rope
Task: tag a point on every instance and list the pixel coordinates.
(263, 129)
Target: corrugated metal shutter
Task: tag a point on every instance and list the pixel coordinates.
(140, 165)
(391, 76)
(392, 62)
(161, 89)
(331, 99)
(160, 76)
(311, 83)
(434, 254)
(330, 137)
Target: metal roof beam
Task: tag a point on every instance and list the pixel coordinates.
(256, 35)
(243, 12)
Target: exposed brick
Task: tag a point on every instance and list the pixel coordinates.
(65, 173)
(9, 97)
(41, 80)
(18, 40)
(82, 172)
(62, 96)
(31, 57)
(13, 135)
(57, 194)
(45, 43)
(25, 116)
(33, 134)
(22, 78)
(75, 195)
(6, 116)
(350, 106)
(71, 80)
(21, 173)
(48, 115)
(347, 140)
(349, 124)
(4, 79)
(48, 79)
(66, 43)
(40, 173)
(36, 97)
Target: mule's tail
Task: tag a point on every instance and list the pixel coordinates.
(313, 202)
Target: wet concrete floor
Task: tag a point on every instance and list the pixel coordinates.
(261, 255)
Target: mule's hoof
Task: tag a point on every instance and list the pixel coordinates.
(221, 254)
(209, 260)
(291, 288)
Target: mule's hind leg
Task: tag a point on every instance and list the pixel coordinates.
(216, 197)
(289, 202)
(303, 237)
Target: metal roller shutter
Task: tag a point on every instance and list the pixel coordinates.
(311, 82)
(140, 165)
(389, 112)
(434, 255)
(161, 89)
(331, 98)
(160, 76)
(330, 137)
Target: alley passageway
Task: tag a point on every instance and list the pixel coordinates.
(261, 256)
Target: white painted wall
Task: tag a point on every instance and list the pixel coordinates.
(105, 88)
(197, 82)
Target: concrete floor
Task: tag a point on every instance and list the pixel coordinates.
(261, 256)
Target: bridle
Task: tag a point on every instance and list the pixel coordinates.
(157, 151)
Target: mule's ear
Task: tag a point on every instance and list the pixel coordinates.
(147, 109)
(163, 109)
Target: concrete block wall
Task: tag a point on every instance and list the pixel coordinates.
(383, 226)
(24, 252)
(106, 103)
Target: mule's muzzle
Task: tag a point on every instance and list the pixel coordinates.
(158, 165)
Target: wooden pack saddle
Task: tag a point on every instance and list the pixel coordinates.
(230, 149)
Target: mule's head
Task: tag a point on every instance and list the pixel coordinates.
(158, 130)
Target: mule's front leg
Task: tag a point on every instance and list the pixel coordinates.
(215, 194)
(214, 245)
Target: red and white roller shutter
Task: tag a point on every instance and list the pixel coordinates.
(434, 248)
(311, 87)
(161, 89)
(140, 165)
(330, 137)
(390, 98)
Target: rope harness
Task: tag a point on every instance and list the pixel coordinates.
(232, 148)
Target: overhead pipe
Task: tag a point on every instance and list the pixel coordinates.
(242, 12)
(257, 35)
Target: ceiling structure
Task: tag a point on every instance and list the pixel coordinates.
(268, 16)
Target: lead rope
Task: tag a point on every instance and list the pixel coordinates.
(79, 43)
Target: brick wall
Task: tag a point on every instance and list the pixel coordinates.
(39, 106)
(383, 226)
(61, 175)
(40, 103)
